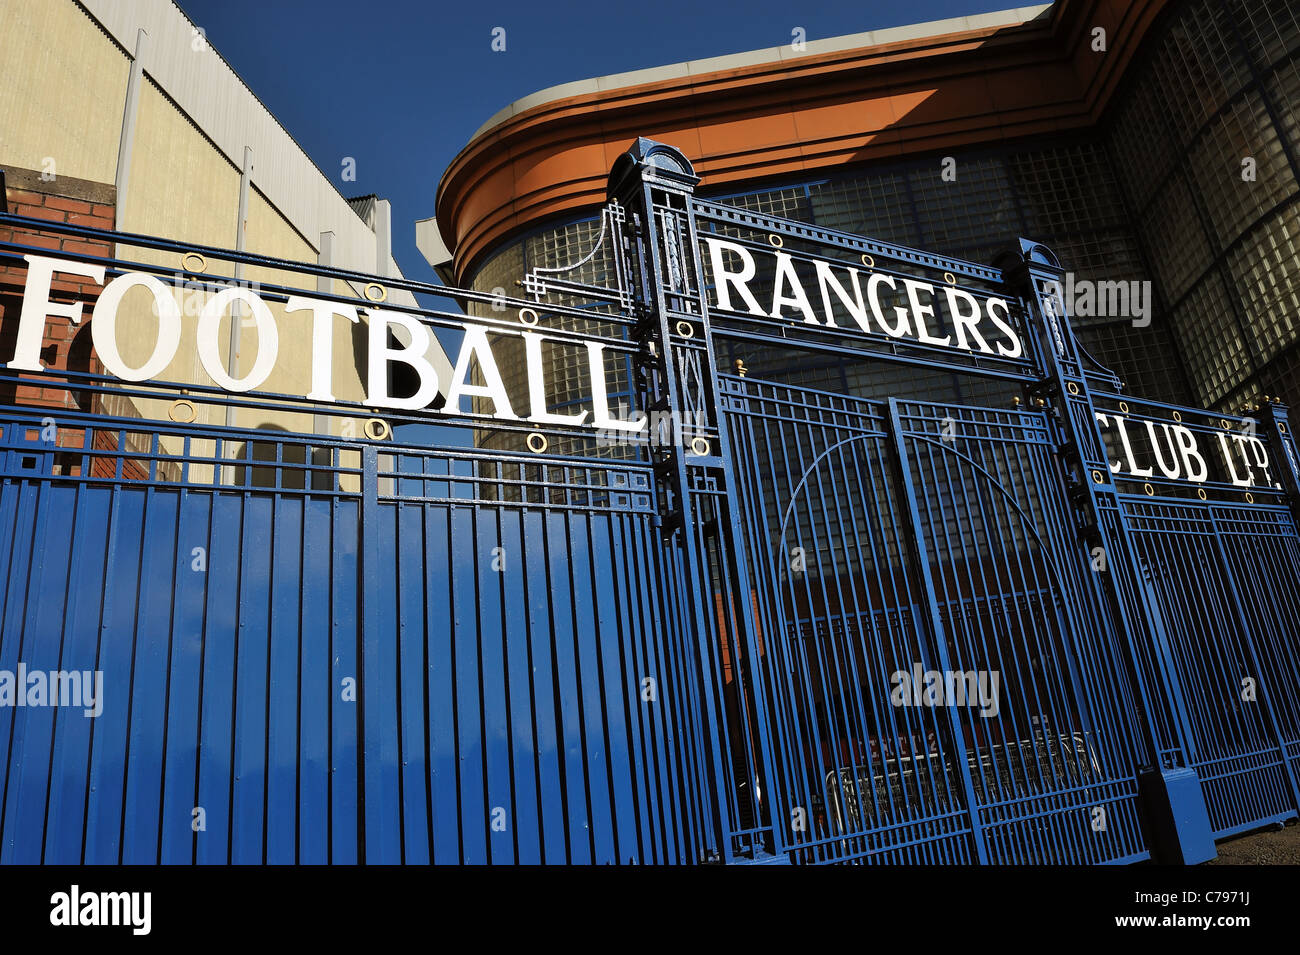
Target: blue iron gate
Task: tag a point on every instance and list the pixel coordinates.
(943, 547)
(234, 622)
(819, 606)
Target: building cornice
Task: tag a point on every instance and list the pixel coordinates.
(791, 117)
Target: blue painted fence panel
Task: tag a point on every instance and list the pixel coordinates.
(342, 676)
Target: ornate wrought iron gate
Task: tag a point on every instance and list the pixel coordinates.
(935, 536)
(716, 638)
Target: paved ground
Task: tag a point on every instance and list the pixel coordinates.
(1269, 847)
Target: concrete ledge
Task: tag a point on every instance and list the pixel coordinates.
(29, 180)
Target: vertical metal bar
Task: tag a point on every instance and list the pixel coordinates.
(368, 612)
(21, 613)
(236, 307)
(105, 614)
(325, 285)
(126, 143)
(922, 554)
(67, 623)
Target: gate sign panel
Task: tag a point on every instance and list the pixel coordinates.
(881, 304)
(476, 374)
(1159, 444)
(803, 623)
(838, 292)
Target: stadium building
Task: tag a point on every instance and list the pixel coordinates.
(1152, 144)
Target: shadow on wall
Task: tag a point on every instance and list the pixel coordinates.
(72, 353)
(403, 381)
(286, 464)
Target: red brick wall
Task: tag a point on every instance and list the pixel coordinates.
(64, 345)
(64, 201)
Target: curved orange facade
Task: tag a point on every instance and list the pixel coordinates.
(793, 117)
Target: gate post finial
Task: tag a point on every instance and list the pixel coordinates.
(653, 161)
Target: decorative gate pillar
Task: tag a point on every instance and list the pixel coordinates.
(1276, 424)
(677, 384)
(1175, 806)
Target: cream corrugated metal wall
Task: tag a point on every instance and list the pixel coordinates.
(63, 96)
(60, 102)
(204, 86)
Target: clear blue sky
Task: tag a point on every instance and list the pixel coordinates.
(401, 85)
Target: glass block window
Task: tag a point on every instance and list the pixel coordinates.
(1242, 131)
(786, 203)
(1283, 90)
(1173, 230)
(1143, 150)
(1222, 247)
(1066, 190)
(1267, 279)
(1102, 256)
(871, 205)
(1198, 67)
(569, 244)
(966, 212)
(1146, 359)
(1270, 28)
(1216, 353)
(501, 271)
